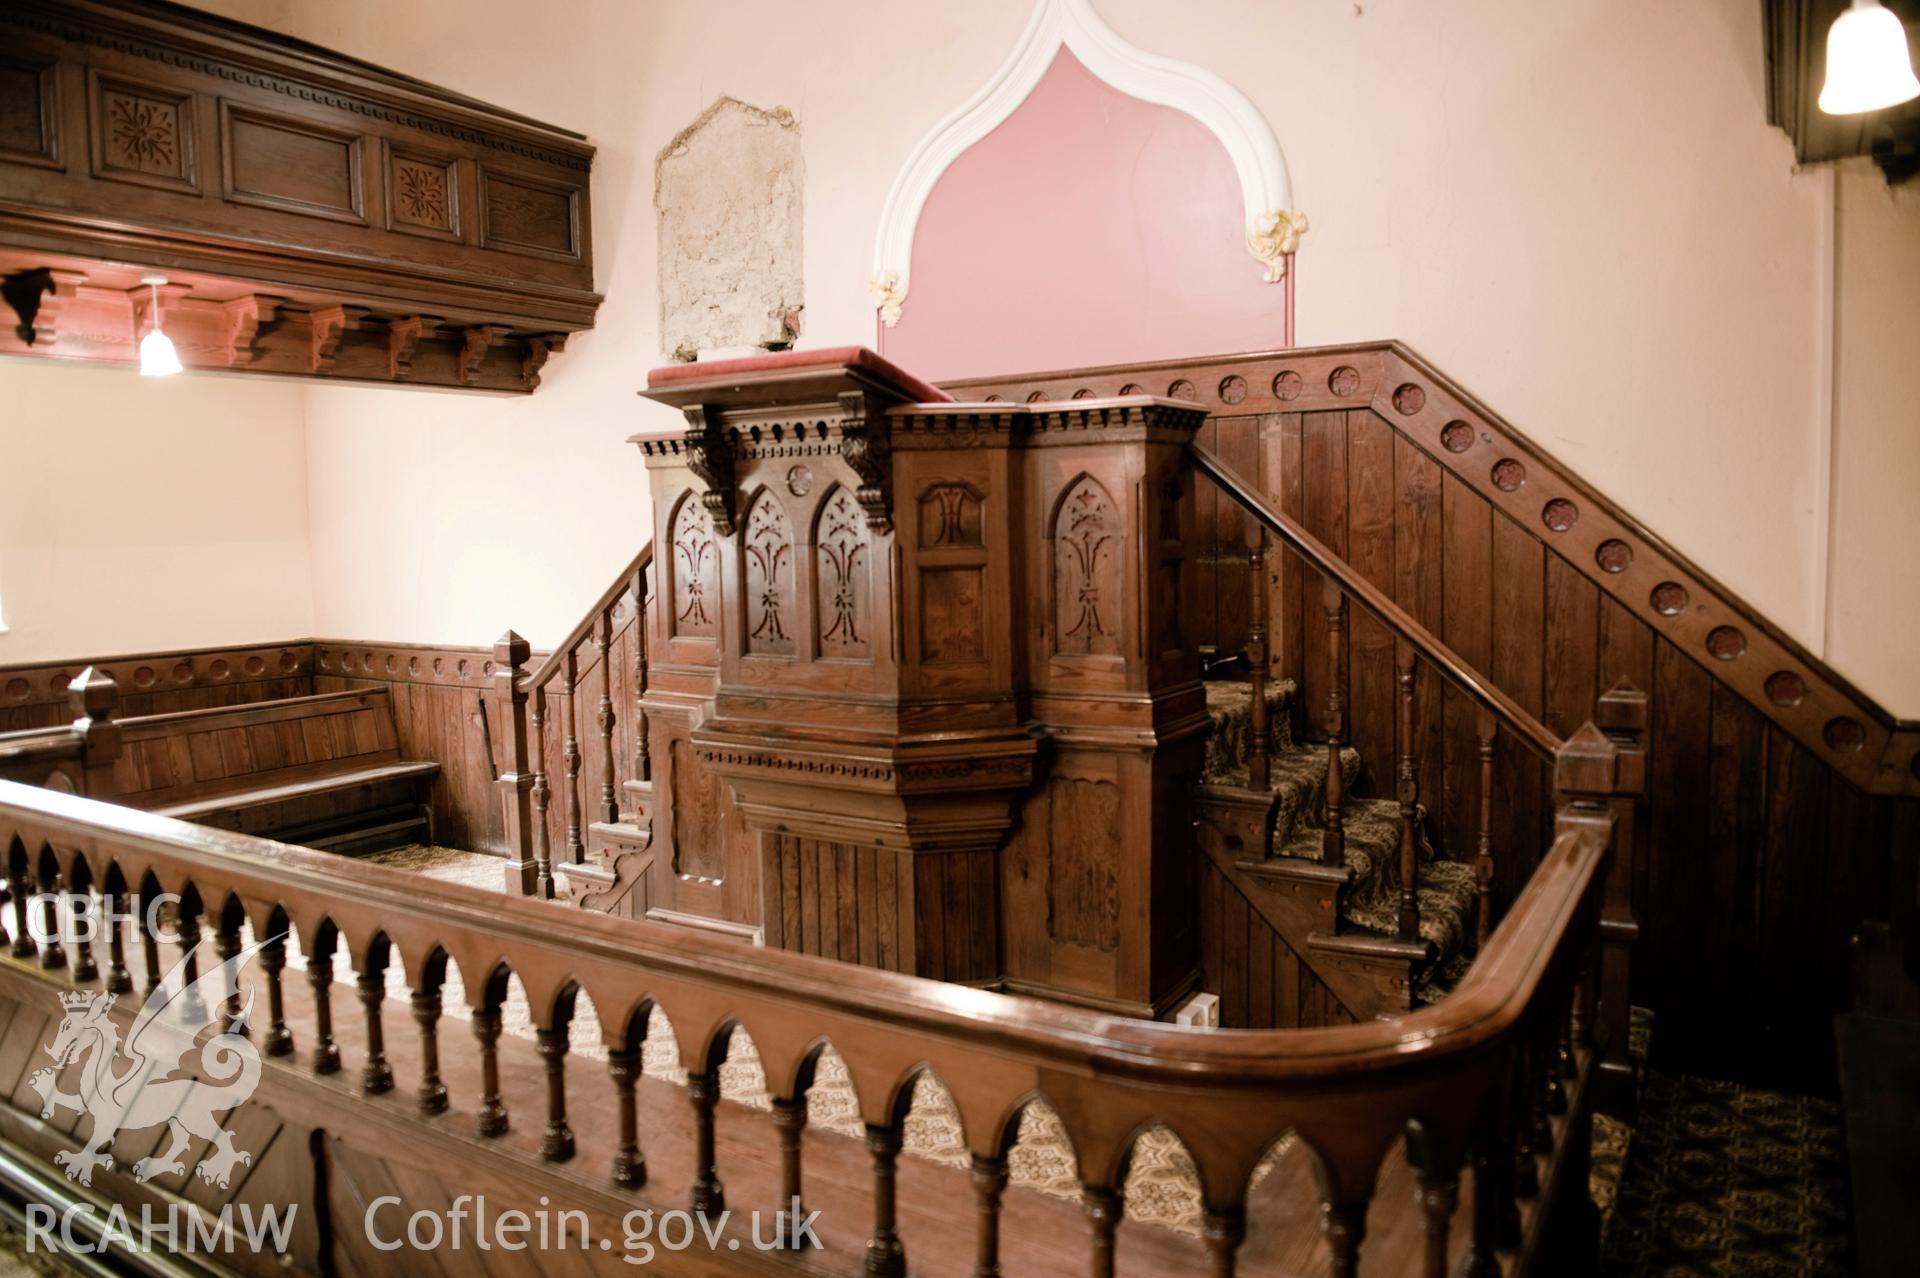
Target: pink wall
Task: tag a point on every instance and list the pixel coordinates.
(1089, 228)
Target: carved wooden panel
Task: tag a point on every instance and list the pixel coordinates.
(696, 572)
(843, 609)
(291, 165)
(1087, 533)
(950, 515)
(142, 133)
(29, 112)
(1084, 904)
(529, 215)
(952, 615)
(769, 597)
(699, 841)
(423, 194)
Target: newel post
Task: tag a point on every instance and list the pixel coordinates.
(1622, 716)
(94, 696)
(516, 779)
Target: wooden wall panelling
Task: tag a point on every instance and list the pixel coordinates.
(1522, 815)
(1373, 683)
(1323, 461)
(1466, 583)
(1734, 853)
(1675, 874)
(1287, 618)
(35, 695)
(1234, 533)
(1417, 546)
(1260, 982)
(1794, 996)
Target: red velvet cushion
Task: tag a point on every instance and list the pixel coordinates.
(840, 356)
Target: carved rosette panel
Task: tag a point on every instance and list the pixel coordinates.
(768, 551)
(696, 572)
(842, 549)
(142, 133)
(1087, 541)
(1083, 907)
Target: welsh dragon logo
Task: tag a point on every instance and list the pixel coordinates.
(115, 1086)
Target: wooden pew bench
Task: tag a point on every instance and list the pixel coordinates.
(324, 771)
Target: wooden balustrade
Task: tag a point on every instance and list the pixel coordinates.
(1347, 1093)
(1415, 649)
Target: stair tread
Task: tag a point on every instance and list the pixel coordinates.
(1230, 707)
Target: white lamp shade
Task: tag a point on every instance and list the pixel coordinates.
(1868, 64)
(157, 356)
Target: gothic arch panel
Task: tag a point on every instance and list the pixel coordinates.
(696, 571)
(842, 577)
(1088, 543)
(767, 551)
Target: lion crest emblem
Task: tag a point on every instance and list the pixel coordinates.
(117, 1084)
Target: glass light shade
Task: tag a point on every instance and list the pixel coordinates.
(157, 356)
(1868, 64)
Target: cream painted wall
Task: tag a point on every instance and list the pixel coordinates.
(1875, 567)
(140, 514)
(1576, 208)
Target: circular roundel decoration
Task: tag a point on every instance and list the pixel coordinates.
(1233, 389)
(1288, 385)
(1727, 642)
(799, 480)
(439, 666)
(995, 399)
(486, 668)
(1785, 688)
(256, 665)
(144, 677)
(1456, 437)
(1846, 734)
(1669, 598)
(220, 669)
(461, 669)
(288, 662)
(325, 659)
(1344, 380)
(1182, 389)
(1038, 397)
(1133, 388)
(413, 666)
(1613, 555)
(366, 662)
(1508, 475)
(393, 664)
(18, 689)
(58, 684)
(183, 673)
(1083, 393)
(1409, 399)
(1560, 514)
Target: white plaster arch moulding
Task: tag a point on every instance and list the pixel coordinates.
(1273, 226)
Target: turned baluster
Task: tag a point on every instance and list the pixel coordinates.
(226, 944)
(556, 1142)
(492, 1120)
(149, 926)
(1103, 1207)
(541, 796)
(1260, 732)
(189, 933)
(703, 1093)
(1345, 1227)
(119, 980)
(1550, 1098)
(643, 760)
(515, 782)
(790, 1122)
(1438, 1196)
(1484, 730)
(886, 1258)
(20, 888)
(1526, 1093)
(273, 961)
(629, 1164)
(1409, 779)
(425, 1002)
(570, 758)
(376, 1076)
(326, 1053)
(609, 798)
(1223, 1230)
(53, 954)
(1333, 839)
(1491, 1190)
(84, 966)
(989, 1187)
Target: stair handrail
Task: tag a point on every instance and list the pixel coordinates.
(544, 673)
(1319, 556)
(1483, 1071)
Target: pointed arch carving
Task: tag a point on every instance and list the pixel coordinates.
(696, 570)
(767, 548)
(1088, 544)
(842, 577)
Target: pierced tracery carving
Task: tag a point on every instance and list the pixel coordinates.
(696, 576)
(709, 448)
(842, 549)
(1086, 577)
(769, 575)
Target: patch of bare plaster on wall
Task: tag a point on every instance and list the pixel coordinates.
(728, 191)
